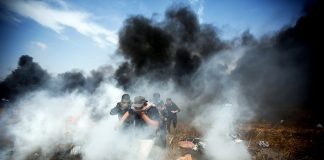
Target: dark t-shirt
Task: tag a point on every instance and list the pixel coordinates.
(120, 109)
(143, 130)
(172, 107)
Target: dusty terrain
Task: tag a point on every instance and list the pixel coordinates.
(286, 141)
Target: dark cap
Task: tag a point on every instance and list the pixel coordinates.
(138, 102)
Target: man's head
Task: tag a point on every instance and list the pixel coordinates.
(139, 103)
(156, 96)
(169, 101)
(125, 98)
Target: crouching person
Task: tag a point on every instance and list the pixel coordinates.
(121, 108)
(147, 121)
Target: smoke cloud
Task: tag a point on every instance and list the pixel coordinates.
(27, 77)
(281, 72)
(51, 124)
(30, 76)
(169, 50)
(275, 73)
(217, 84)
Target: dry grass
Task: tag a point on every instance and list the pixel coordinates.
(286, 141)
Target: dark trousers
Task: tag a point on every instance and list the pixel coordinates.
(161, 138)
(174, 121)
(161, 135)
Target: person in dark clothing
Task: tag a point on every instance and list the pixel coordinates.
(159, 104)
(145, 116)
(121, 108)
(162, 131)
(157, 100)
(172, 109)
(163, 113)
(147, 121)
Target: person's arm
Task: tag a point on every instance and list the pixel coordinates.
(148, 120)
(175, 108)
(114, 110)
(122, 120)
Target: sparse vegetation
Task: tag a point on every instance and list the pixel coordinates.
(287, 141)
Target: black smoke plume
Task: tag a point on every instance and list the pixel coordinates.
(284, 70)
(27, 77)
(275, 73)
(30, 76)
(77, 81)
(171, 49)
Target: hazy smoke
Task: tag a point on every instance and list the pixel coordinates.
(49, 124)
(217, 84)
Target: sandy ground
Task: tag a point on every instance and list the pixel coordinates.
(286, 142)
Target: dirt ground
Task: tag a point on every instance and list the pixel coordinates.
(286, 141)
(183, 132)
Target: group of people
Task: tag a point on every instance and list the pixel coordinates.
(151, 118)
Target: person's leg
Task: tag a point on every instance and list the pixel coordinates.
(161, 141)
(169, 124)
(175, 122)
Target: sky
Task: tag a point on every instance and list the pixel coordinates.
(65, 35)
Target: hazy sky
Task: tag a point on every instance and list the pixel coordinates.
(62, 35)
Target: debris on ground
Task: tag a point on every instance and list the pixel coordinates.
(202, 144)
(195, 144)
(281, 121)
(186, 144)
(4, 100)
(319, 126)
(75, 150)
(236, 138)
(186, 157)
(263, 144)
(36, 155)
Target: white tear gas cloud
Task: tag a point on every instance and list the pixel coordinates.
(40, 120)
(224, 109)
(45, 122)
(40, 125)
(222, 122)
